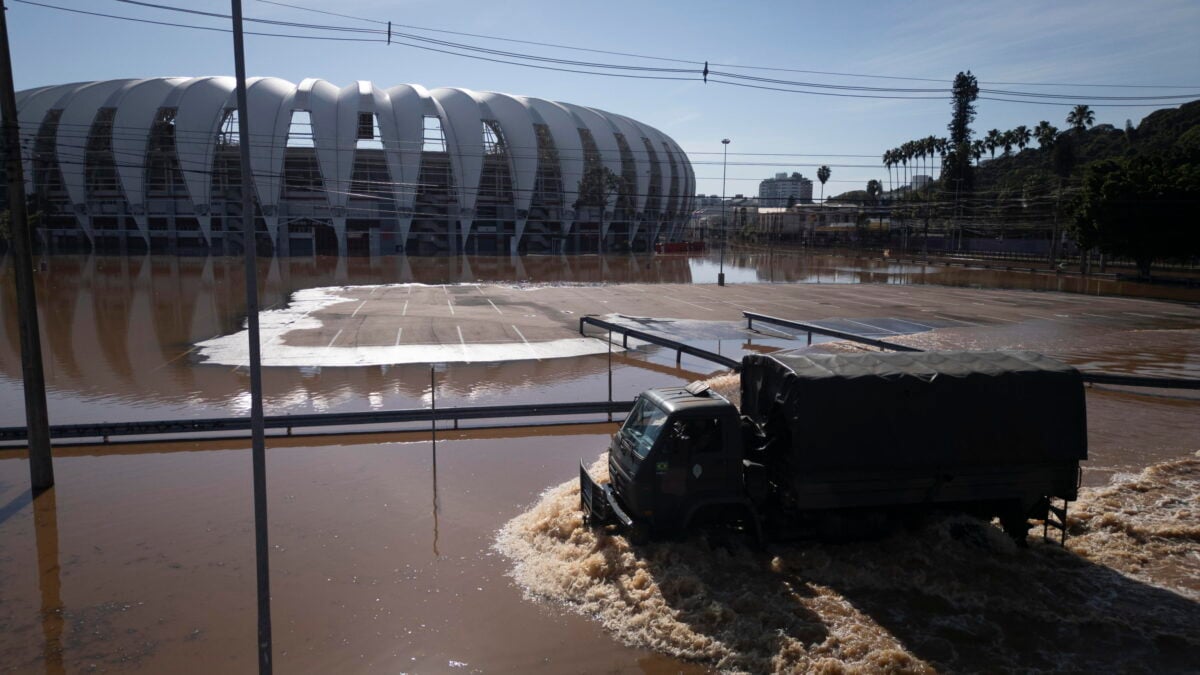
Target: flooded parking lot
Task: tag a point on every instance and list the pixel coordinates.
(145, 553)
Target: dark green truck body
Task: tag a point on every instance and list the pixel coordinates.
(819, 435)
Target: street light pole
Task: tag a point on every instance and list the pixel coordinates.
(724, 227)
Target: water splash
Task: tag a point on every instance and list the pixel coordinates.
(953, 594)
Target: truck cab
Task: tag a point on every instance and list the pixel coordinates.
(678, 454)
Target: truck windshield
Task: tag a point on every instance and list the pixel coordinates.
(644, 423)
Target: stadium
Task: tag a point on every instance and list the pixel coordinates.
(153, 165)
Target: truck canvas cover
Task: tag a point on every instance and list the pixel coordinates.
(935, 410)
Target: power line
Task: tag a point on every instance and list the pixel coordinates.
(184, 25)
(723, 65)
(463, 50)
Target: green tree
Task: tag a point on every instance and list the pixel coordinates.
(889, 160)
(598, 185)
(1022, 135)
(874, 189)
(978, 147)
(1045, 133)
(1081, 117)
(993, 140)
(823, 174)
(1145, 208)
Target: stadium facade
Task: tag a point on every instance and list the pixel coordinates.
(154, 164)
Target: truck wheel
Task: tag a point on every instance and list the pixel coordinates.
(638, 534)
(1015, 525)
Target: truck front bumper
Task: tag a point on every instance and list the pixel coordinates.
(599, 502)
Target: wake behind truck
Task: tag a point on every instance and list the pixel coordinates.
(842, 445)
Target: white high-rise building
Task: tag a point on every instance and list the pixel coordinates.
(776, 192)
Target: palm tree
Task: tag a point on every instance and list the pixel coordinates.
(1022, 135)
(889, 162)
(1008, 140)
(823, 174)
(1045, 133)
(931, 149)
(942, 145)
(1081, 117)
(978, 147)
(993, 139)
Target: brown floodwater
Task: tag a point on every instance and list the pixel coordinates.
(141, 559)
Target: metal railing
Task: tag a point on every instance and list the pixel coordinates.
(751, 317)
(679, 347)
(213, 425)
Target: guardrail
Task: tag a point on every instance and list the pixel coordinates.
(212, 425)
(679, 347)
(751, 317)
(1139, 380)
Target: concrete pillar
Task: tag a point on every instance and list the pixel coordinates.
(465, 224)
(143, 226)
(373, 241)
(85, 226)
(514, 244)
(567, 224)
(284, 237)
(339, 229)
(404, 223)
(279, 234)
(205, 223)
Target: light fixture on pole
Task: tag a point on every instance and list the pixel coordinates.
(724, 229)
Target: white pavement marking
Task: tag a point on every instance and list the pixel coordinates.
(996, 318)
(335, 337)
(522, 336)
(404, 312)
(494, 306)
(965, 323)
(914, 323)
(462, 342)
(1097, 316)
(1146, 316)
(878, 328)
(450, 305)
(399, 332)
(358, 308)
(836, 300)
(707, 309)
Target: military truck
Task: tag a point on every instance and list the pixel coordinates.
(842, 445)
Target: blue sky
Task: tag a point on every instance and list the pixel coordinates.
(1106, 42)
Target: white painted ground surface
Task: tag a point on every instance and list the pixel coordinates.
(274, 325)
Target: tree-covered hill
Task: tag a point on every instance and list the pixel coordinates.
(1158, 134)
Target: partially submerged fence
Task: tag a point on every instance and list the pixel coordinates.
(104, 432)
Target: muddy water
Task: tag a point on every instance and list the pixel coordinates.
(119, 333)
(147, 553)
(147, 561)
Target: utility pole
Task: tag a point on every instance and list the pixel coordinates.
(257, 442)
(41, 465)
(724, 227)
